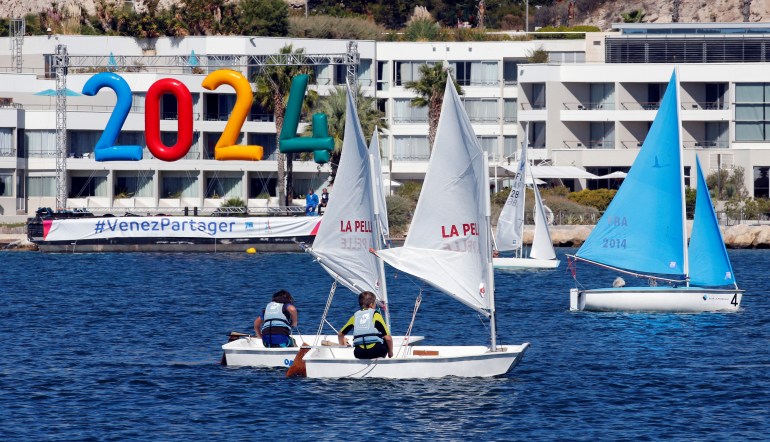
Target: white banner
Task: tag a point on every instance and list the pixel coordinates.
(178, 227)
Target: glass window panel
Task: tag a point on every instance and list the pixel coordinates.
(40, 143)
(178, 186)
(749, 93)
(509, 146)
(41, 186)
(6, 184)
(509, 110)
(749, 131)
(750, 112)
(410, 148)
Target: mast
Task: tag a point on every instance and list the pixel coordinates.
(378, 234)
(490, 268)
(524, 190)
(686, 267)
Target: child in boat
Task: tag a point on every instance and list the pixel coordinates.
(370, 334)
(274, 326)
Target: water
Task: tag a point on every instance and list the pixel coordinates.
(127, 346)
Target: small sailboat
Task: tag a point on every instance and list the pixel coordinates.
(643, 233)
(510, 227)
(351, 226)
(449, 249)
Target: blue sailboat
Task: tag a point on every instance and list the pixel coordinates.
(643, 233)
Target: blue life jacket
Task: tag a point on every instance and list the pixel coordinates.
(364, 331)
(274, 317)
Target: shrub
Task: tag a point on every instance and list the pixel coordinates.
(233, 202)
(400, 211)
(599, 198)
(410, 190)
(322, 26)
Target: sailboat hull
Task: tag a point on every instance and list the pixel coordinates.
(524, 263)
(656, 299)
(249, 351)
(418, 363)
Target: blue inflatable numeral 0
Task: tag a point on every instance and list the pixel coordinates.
(105, 149)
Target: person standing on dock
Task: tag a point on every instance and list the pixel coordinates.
(278, 318)
(370, 333)
(324, 201)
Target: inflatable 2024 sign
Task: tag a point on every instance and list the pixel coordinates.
(321, 144)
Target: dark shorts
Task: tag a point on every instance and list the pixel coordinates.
(277, 340)
(377, 351)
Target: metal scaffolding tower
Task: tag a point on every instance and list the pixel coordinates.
(17, 30)
(60, 64)
(172, 64)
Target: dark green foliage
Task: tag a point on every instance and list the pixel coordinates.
(635, 16)
(539, 55)
(400, 211)
(598, 199)
(689, 201)
(263, 17)
(547, 29)
(410, 190)
(233, 202)
(322, 26)
(727, 184)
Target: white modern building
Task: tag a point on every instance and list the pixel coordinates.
(487, 71)
(590, 107)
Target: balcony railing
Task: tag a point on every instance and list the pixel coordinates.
(410, 119)
(704, 105)
(589, 106)
(633, 144)
(536, 106)
(8, 152)
(411, 157)
(703, 144)
(591, 144)
(640, 105)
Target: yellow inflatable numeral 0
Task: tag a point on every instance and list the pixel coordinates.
(226, 149)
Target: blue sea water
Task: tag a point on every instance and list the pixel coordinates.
(127, 346)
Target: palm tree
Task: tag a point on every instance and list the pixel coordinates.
(430, 92)
(333, 106)
(272, 93)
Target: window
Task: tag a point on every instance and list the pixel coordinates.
(6, 142)
(410, 148)
(365, 73)
(509, 110)
(262, 187)
(762, 182)
(510, 146)
(218, 106)
(510, 72)
(6, 184)
(752, 112)
(408, 71)
(179, 185)
(566, 57)
(223, 187)
(133, 186)
(324, 74)
(268, 143)
(404, 112)
(83, 142)
(41, 186)
(383, 75)
(655, 92)
(602, 96)
(489, 145)
(602, 135)
(538, 95)
(481, 110)
(537, 135)
(40, 143)
(216, 62)
(83, 186)
(716, 135)
(168, 107)
(474, 73)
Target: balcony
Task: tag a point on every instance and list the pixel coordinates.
(705, 105)
(591, 144)
(703, 144)
(633, 144)
(640, 105)
(588, 106)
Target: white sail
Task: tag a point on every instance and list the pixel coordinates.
(448, 244)
(510, 224)
(347, 230)
(379, 188)
(542, 246)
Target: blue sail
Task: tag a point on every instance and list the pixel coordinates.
(642, 229)
(709, 263)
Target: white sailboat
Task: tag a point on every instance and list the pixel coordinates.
(451, 250)
(510, 227)
(643, 233)
(351, 226)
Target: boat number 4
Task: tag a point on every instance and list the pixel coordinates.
(614, 243)
(734, 301)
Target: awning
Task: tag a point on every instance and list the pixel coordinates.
(617, 174)
(560, 172)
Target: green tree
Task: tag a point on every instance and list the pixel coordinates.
(272, 93)
(727, 184)
(334, 106)
(430, 92)
(263, 17)
(635, 16)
